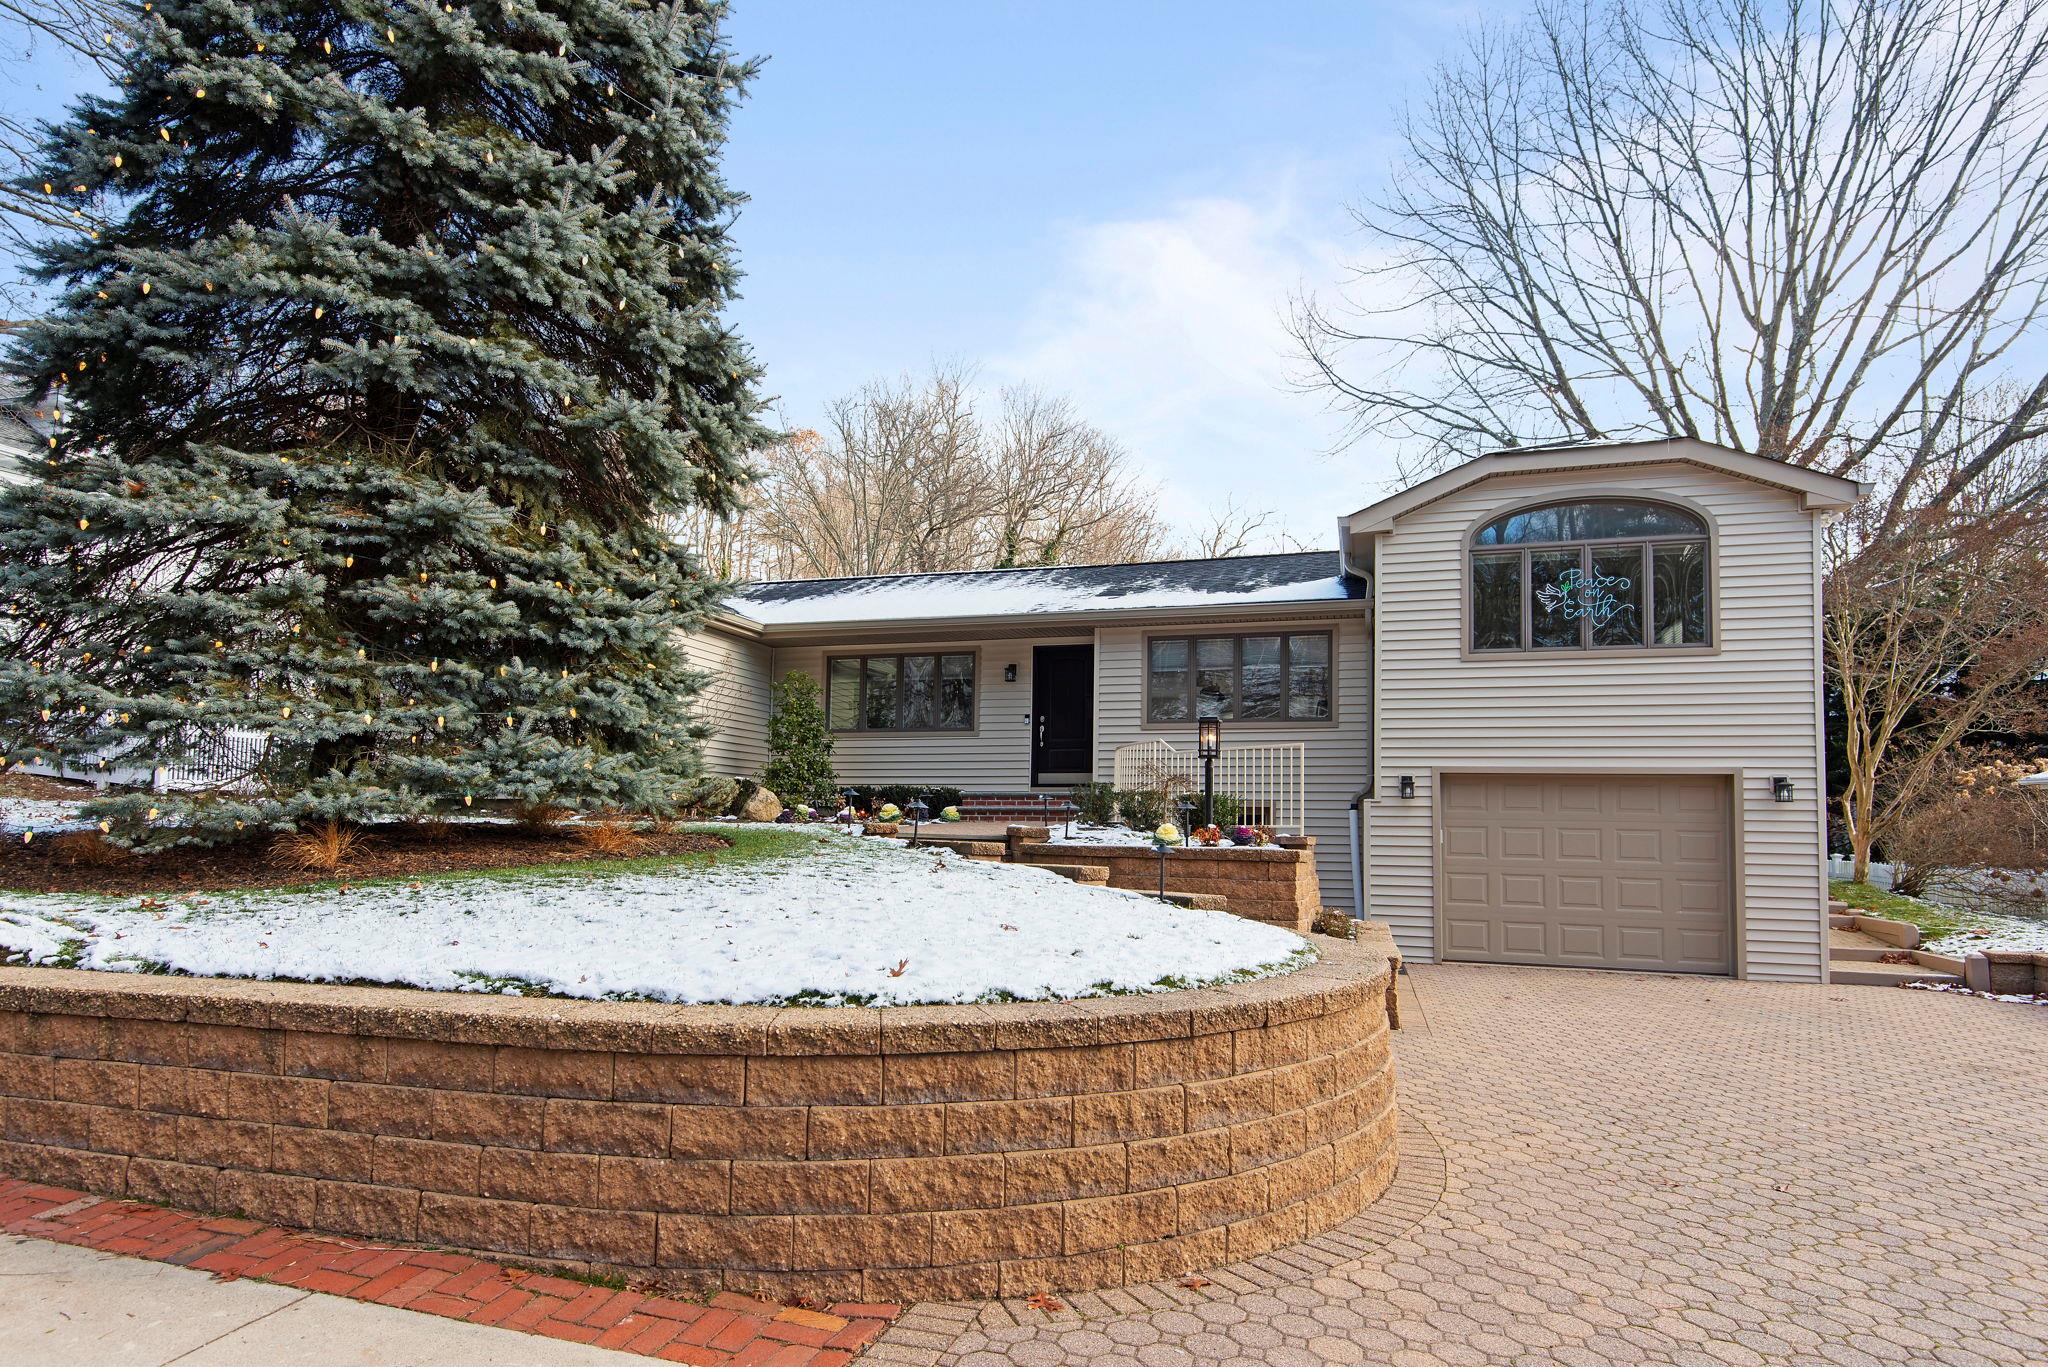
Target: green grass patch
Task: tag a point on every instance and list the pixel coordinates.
(1934, 921)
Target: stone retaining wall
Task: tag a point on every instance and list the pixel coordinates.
(896, 1154)
(1276, 883)
(2006, 972)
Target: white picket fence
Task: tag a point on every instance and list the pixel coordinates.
(225, 758)
(1841, 866)
(1270, 782)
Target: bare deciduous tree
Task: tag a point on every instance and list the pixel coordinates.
(1233, 529)
(909, 476)
(1813, 229)
(1935, 633)
(1063, 493)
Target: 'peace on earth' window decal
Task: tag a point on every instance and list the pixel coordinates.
(1609, 574)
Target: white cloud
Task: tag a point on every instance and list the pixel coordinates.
(1169, 332)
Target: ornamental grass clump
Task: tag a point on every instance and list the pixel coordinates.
(612, 837)
(320, 849)
(88, 848)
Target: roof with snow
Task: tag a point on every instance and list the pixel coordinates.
(1229, 582)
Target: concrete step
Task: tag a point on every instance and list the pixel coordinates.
(1837, 908)
(1855, 973)
(1840, 922)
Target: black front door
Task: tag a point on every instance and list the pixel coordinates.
(1062, 714)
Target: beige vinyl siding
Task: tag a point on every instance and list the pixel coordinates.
(1336, 754)
(995, 757)
(1750, 708)
(735, 702)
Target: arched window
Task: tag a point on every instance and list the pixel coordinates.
(1597, 574)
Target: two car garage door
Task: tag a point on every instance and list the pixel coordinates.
(1588, 871)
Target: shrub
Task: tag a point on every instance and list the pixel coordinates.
(1977, 823)
(800, 741)
(1141, 808)
(707, 795)
(875, 796)
(1095, 803)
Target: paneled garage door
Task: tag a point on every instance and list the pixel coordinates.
(1588, 872)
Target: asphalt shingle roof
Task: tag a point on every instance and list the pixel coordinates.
(1305, 576)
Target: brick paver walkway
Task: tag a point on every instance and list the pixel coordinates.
(1648, 1170)
(729, 1330)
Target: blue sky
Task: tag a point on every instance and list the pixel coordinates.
(1113, 200)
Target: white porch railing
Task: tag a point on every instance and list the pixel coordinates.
(1270, 782)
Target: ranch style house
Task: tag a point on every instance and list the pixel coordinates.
(1555, 705)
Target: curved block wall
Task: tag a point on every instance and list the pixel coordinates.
(896, 1154)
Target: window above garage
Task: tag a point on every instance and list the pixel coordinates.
(1599, 574)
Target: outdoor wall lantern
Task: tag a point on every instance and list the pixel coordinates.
(1407, 785)
(1009, 673)
(917, 811)
(1781, 788)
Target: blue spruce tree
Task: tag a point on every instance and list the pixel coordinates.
(405, 333)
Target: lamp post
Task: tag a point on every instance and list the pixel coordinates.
(917, 811)
(1209, 744)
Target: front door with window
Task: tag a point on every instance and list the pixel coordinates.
(1062, 714)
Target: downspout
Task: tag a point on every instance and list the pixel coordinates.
(1354, 826)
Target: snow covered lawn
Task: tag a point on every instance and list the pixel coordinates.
(19, 815)
(2000, 932)
(819, 919)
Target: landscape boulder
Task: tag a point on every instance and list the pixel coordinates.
(760, 805)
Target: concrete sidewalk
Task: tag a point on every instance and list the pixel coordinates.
(71, 1307)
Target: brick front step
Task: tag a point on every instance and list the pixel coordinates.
(728, 1329)
(1014, 807)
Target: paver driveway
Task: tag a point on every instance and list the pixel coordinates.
(1653, 1169)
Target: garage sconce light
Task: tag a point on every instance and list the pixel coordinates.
(1009, 673)
(1407, 785)
(1781, 788)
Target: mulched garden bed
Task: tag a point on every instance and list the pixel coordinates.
(396, 851)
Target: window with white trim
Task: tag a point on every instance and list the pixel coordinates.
(900, 692)
(1277, 677)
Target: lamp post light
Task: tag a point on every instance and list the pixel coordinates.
(917, 811)
(1209, 744)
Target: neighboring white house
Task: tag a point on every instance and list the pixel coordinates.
(1554, 706)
